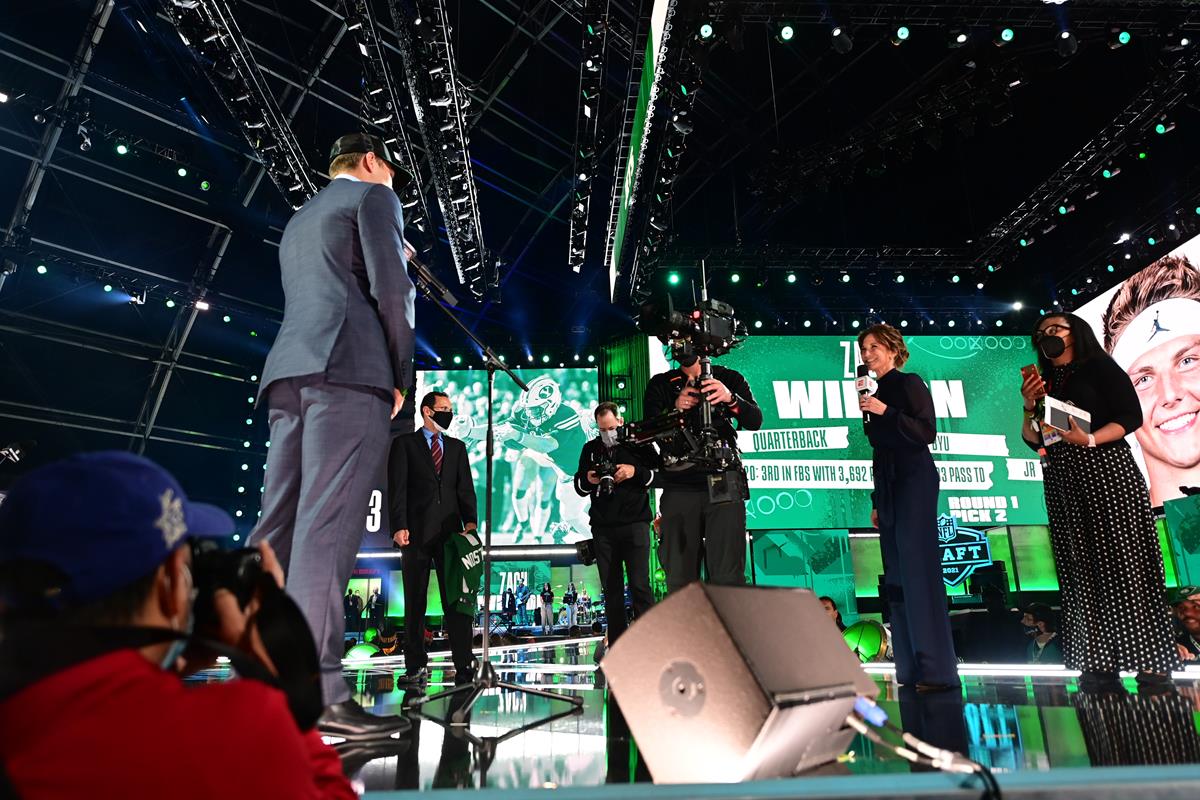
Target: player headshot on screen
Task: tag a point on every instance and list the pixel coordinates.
(1152, 330)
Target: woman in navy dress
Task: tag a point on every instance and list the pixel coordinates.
(900, 426)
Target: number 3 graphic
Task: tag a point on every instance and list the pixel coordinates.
(375, 512)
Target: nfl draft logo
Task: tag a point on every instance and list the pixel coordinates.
(964, 550)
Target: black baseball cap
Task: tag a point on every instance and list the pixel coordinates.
(368, 143)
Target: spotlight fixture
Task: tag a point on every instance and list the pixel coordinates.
(181, 172)
(957, 37)
(845, 277)
(791, 277)
(85, 137)
(1118, 37)
(1018, 305)
(706, 30)
(673, 278)
(122, 149)
(1003, 36)
(1067, 44)
(1164, 127)
(955, 278)
(735, 277)
(899, 277)
(1110, 172)
(786, 33)
(900, 34)
(202, 305)
(842, 43)
(41, 269)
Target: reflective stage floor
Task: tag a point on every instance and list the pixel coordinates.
(1032, 726)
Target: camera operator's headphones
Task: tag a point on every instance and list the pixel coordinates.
(31, 652)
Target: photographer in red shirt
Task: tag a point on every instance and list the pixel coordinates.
(96, 606)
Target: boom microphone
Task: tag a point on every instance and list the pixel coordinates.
(866, 386)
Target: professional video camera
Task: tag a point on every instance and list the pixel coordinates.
(709, 330)
(682, 442)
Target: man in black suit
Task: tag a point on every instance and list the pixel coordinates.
(432, 497)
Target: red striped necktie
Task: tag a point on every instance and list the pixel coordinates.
(436, 450)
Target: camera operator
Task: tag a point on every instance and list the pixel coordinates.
(693, 526)
(100, 611)
(615, 477)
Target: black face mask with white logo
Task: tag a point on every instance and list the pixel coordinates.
(1052, 346)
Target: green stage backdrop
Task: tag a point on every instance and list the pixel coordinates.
(810, 465)
(534, 501)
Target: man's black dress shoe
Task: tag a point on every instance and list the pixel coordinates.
(464, 676)
(352, 722)
(418, 678)
(925, 687)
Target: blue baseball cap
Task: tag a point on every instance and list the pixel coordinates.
(103, 519)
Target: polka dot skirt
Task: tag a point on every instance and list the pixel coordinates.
(1110, 567)
(1121, 729)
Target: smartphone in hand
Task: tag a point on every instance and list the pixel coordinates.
(1027, 371)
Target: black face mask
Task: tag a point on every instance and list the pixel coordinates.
(442, 418)
(1031, 630)
(1052, 346)
(684, 360)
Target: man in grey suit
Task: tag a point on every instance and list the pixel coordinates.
(339, 367)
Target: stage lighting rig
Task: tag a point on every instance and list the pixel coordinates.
(682, 79)
(1126, 132)
(841, 41)
(211, 32)
(382, 104)
(592, 50)
(426, 48)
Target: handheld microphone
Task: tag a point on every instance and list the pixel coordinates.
(866, 386)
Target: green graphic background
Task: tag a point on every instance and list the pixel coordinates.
(989, 368)
(539, 475)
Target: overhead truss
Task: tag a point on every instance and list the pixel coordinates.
(592, 53)
(211, 32)
(440, 104)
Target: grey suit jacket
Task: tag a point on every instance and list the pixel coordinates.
(348, 301)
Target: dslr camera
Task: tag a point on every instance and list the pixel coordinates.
(606, 471)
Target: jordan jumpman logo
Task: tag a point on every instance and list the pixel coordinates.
(1158, 328)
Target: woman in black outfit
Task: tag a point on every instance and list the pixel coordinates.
(1106, 551)
(901, 427)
